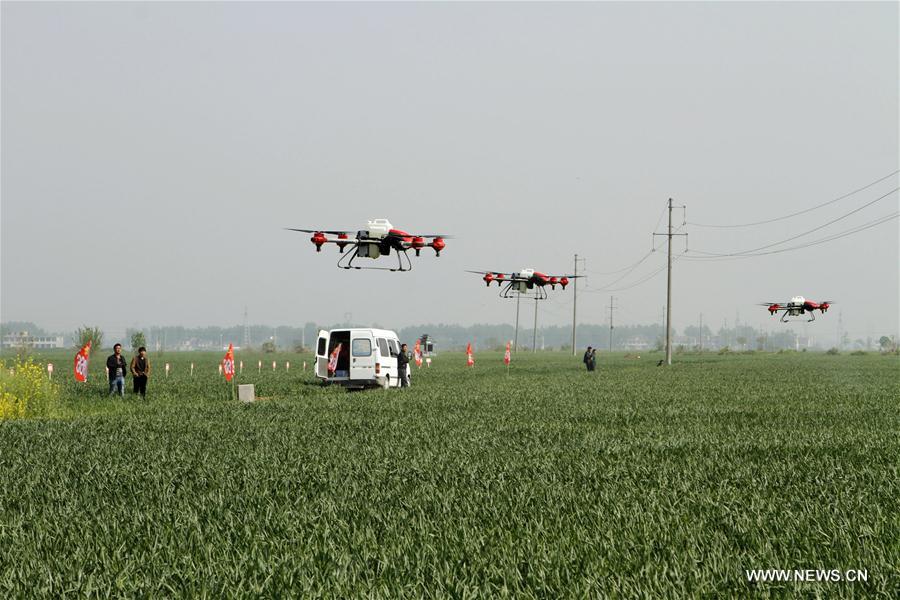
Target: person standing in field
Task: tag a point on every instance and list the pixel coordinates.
(590, 360)
(140, 372)
(115, 366)
(403, 366)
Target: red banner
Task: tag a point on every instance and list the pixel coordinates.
(417, 353)
(333, 360)
(506, 357)
(81, 362)
(470, 358)
(228, 363)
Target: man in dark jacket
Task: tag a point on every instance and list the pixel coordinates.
(403, 365)
(590, 360)
(140, 371)
(115, 366)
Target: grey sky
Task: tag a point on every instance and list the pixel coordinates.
(152, 154)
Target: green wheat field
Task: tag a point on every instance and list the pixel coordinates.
(543, 482)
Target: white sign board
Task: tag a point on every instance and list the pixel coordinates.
(246, 392)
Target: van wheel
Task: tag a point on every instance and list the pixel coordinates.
(387, 382)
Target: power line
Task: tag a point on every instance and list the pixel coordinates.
(792, 238)
(607, 288)
(632, 285)
(839, 198)
(835, 236)
(633, 266)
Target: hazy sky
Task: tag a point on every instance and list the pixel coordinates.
(153, 153)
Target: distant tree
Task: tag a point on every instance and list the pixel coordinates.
(832, 351)
(742, 341)
(761, 343)
(138, 340)
(268, 347)
(87, 334)
(885, 343)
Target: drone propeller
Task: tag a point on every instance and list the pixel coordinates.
(330, 232)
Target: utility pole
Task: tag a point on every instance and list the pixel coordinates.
(700, 333)
(246, 329)
(575, 302)
(516, 342)
(534, 333)
(611, 308)
(840, 331)
(669, 234)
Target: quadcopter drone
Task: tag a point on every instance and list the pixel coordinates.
(515, 284)
(797, 306)
(378, 239)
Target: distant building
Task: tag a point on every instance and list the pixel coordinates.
(635, 343)
(21, 340)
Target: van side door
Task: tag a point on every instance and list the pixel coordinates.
(395, 352)
(388, 359)
(322, 355)
(362, 356)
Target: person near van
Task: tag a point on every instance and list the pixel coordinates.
(140, 371)
(590, 360)
(403, 365)
(115, 366)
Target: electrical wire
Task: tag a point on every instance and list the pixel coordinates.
(839, 198)
(835, 236)
(644, 279)
(634, 265)
(792, 238)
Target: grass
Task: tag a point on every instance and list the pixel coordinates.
(547, 482)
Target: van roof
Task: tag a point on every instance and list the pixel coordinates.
(375, 332)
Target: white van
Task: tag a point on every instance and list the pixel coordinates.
(367, 357)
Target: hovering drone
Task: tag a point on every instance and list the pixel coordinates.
(515, 284)
(376, 240)
(797, 306)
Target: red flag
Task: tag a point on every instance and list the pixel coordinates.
(470, 358)
(81, 362)
(417, 353)
(506, 357)
(228, 363)
(333, 360)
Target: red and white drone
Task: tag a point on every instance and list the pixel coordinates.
(377, 239)
(797, 306)
(515, 284)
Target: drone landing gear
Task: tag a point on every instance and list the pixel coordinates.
(784, 317)
(511, 292)
(346, 261)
